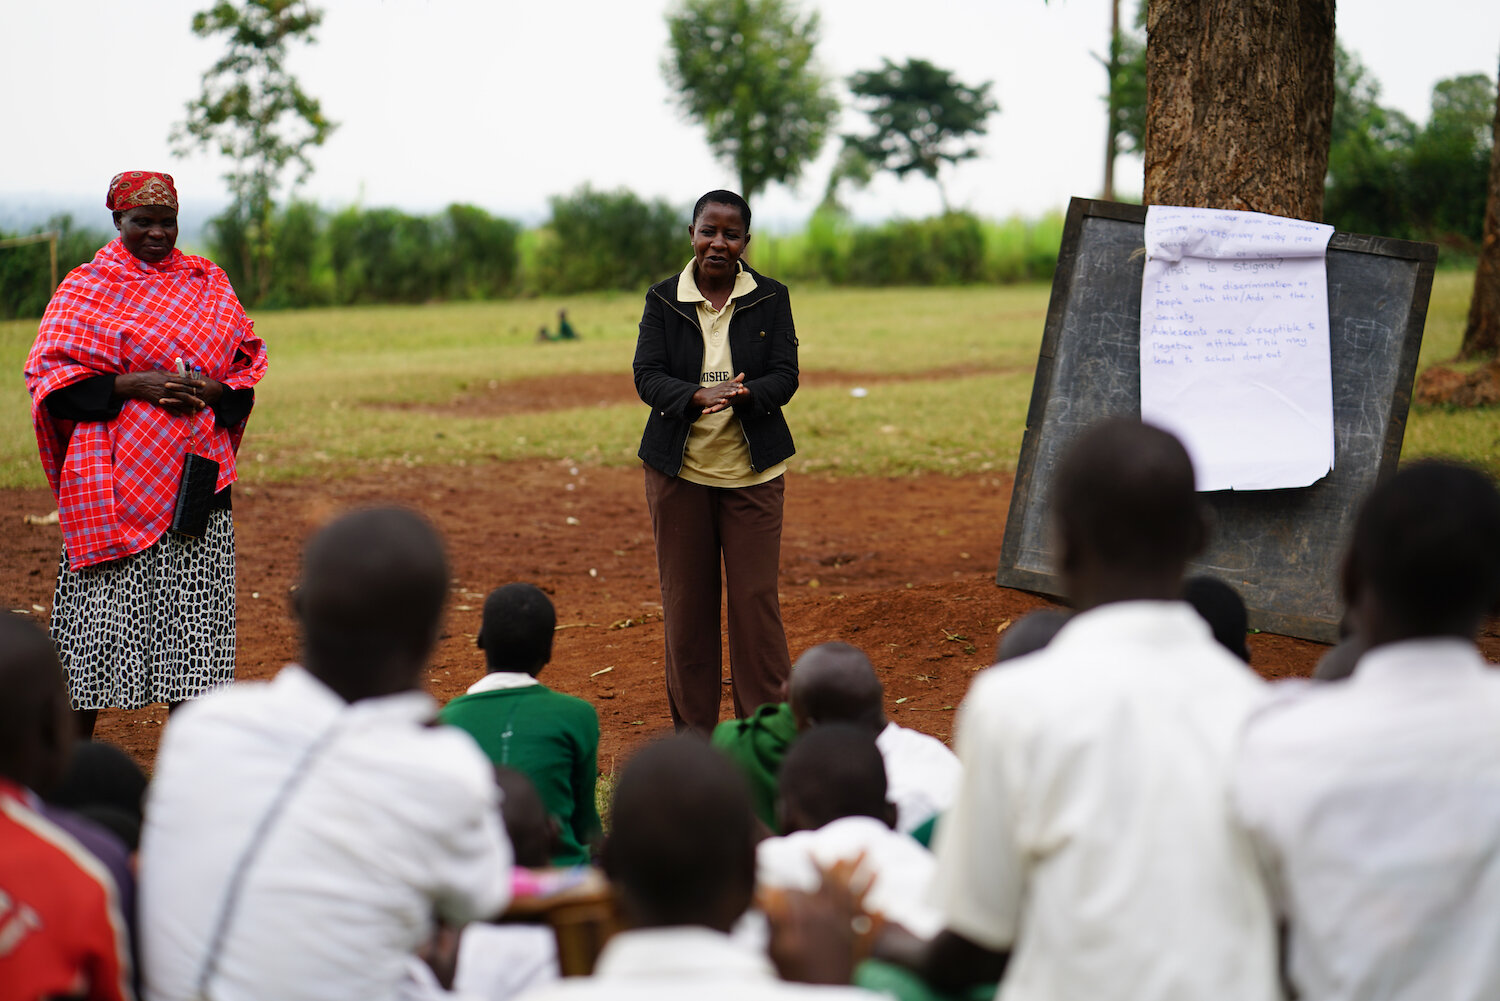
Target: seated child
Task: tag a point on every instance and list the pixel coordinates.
(757, 745)
(1223, 609)
(835, 683)
(550, 737)
(499, 961)
(834, 809)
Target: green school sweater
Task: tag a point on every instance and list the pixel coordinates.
(554, 739)
(757, 744)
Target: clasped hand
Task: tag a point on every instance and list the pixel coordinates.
(721, 395)
(819, 937)
(179, 393)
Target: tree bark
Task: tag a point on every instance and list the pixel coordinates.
(1482, 332)
(1239, 101)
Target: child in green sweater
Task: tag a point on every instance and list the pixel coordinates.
(520, 723)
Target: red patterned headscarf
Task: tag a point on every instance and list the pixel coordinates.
(134, 188)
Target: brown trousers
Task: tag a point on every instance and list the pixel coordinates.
(694, 525)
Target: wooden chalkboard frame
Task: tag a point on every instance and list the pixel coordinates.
(1310, 612)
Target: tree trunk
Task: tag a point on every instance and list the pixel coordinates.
(1482, 333)
(1112, 103)
(1239, 100)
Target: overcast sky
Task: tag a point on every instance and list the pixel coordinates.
(502, 104)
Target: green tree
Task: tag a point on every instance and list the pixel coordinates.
(301, 274)
(385, 255)
(26, 271)
(744, 70)
(255, 114)
(943, 250)
(923, 118)
(1366, 190)
(1125, 100)
(1386, 174)
(609, 240)
(1482, 332)
(851, 167)
(1450, 160)
(1389, 176)
(482, 251)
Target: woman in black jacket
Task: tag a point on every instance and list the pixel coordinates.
(716, 361)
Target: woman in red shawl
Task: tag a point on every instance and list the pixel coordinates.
(144, 354)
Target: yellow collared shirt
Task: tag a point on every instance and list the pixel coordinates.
(717, 454)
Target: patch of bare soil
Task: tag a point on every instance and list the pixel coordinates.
(607, 389)
(1480, 388)
(903, 568)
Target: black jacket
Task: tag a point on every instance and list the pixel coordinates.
(669, 365)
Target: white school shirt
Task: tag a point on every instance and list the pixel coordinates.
(902, 868)
(392, 822)
(1092, 833)
(499, 962)
(1375, 806)
(921, 775)
(496, 962)
(685, 963)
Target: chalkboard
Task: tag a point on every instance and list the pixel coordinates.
(1280, 548)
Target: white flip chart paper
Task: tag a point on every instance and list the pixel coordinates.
(1234, 345)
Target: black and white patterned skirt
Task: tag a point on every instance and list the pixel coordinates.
(157, 626)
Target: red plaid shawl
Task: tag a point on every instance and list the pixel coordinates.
(116, 481)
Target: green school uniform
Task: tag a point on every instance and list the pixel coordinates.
(757, 744)
(554, 739)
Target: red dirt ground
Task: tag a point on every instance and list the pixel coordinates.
(607, 389)
(903, 568)
(1480, 388)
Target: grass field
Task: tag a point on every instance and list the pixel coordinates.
(326, 404)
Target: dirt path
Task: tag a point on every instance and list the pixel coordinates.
(903, 568)
(557, 392)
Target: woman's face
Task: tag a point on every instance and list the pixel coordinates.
(719, 238)
(148, 231)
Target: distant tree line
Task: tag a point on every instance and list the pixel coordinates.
(1392, 177)
(594, 240)
(26, 272)
(745, 70)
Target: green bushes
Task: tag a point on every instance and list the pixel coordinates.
(300, 275)
(1019, 250)
(598, 240)
(954, 249)
(946, 250)
(608, 240)
(25, 272)
(384, 255)
(484, 257)
(1390, 176)
(358, 256)
(594, 240)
